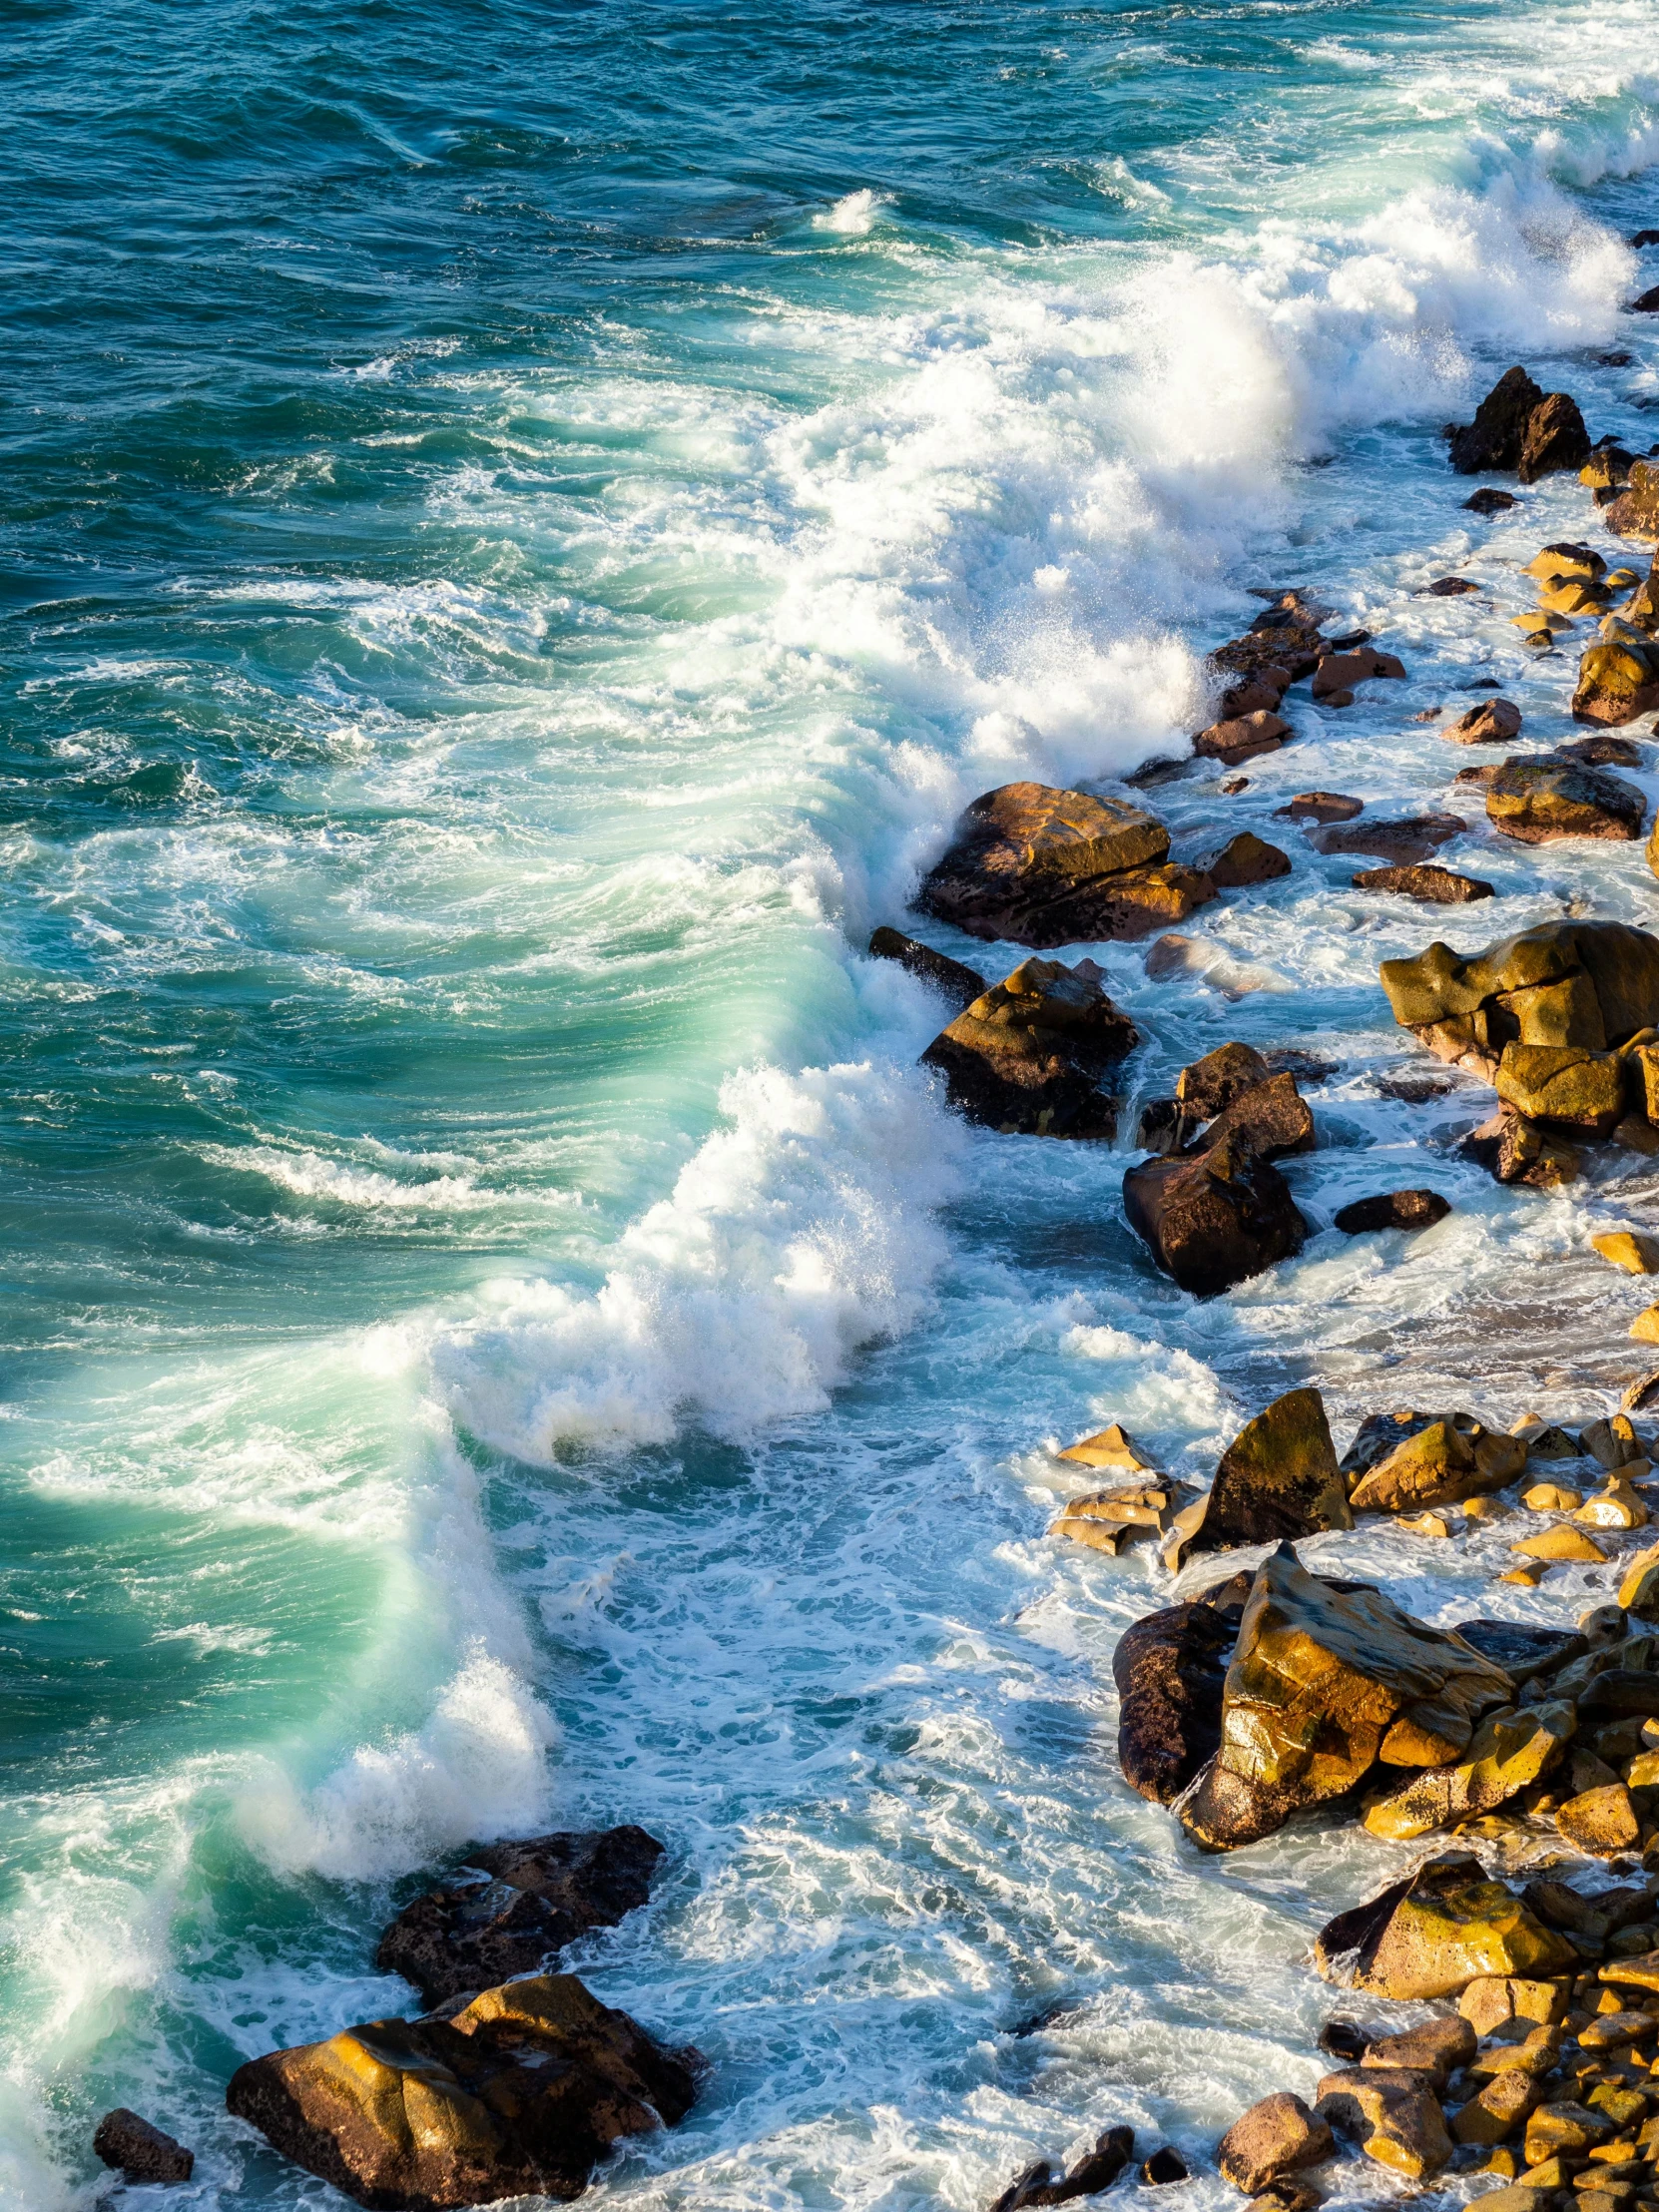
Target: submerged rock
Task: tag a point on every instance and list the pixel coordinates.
(1489, 500)
(1097, 2170)
(539, 1896)
(953, 979)
(522, 2093)
(140, 2151)
(1392, 1210)
(1106, 1521)
(1029, 1055)
(1431, 1935)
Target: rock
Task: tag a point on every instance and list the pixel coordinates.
(1443, 885)
(1209, 1086)
(520, 2094)
(1608, 466)
(139, 2151)
(1524, 1653)
(1257, 695)
(1338, 673)
(1610, 1443)
(1164, 2166)
(1497, 438)
(1515, 1150)
(1627, 1249)
(1413, 838)
(1558, 1543)
(1344, 2040)
(1097, 2170)
(1438, 1465)
(1499, 2110)
(1563, 2129)
(1392, 1210)
(1108, 1447)
(1241, 738)
(1437, 1931)
(1276, 2137)
(1635, 512)
(1031, 1053)
(1551, 1498)
(1045, 868)
(1436, 2048)
(1538, 801)
(1643, 1391)
(1589, 983)
(1321, 806)
(1604, 751)
(1243, 860)
(1272, 1118)
(1289, 2196)
(1277, 1480)
(953, 979)
(1509, 1751)
(542, 1893)
(1106, 1521)
(1490, 2002)
(1316, 1680)
(1396, 2120)
(1556, 438)
(1487, 501)
(1618, 1692)
(1564, 1083)
(1618, 681)
(1169, 1669)
(1449, 587)
(1216, 1218)
(1639, 1591)
(1494, 722)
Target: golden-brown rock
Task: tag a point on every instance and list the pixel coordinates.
(1030, 1056)
(1276, 2137)
(1488, 2002)
(1451, 1459)
(1563, 1083)
(1498, 2111)
(1600, 1821)
(1629, 1250)
(1564, 2128)
(1277, 1480)
(1106, 1521)
(1560, 1542)
(1433, 1933)
(1027, 861)
(1511, 1750)
(1587, 983)
(1542, 798)
(1396, 2120)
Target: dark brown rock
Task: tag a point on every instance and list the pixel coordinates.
(1276, 1481)
(1257, 695)
(1321, 806)
(1515, 1150)
(1028, 862)
(1449, 587)
(1538, 801)
(143, 2153)
(521, 2093)
(1442, 886)
(1556, 438)
(1169, 1668)
(1272, 1118)
(1097, 2170)
(1411, 839)
(1029, 1056)
(1647, 302)
(1241, 738)
(1164, 2166)
(1340, 671)
(535, 1896)
(1211, 1084)
(1244, 859)
(1498, 435)
(1392, 1210)
(953, 979)
(1604, 751)
(1489, 501)
(1214, 1219)
(1524, 1653)
(1493, 722)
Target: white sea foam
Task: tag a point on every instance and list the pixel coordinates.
(856, 214)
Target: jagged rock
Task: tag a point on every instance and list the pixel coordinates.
(1493, 722)
(1437, 1931)
(953, 979)
(1440, 1463)
(1608, 466)
(1635, 513)
(1515, 1150)
(1497, 438)
(542, 1893)
(1208, 1086)
(1316, 1680)
(1443, 887)
(1508, 1752)
(1031, 1053)
(140, 2151)
(1556, 438)
(1404, 842)
(1109, 1447)
(1045, 868)
(1537, 801)
(1589, 983)
(1271, 1117)
(1618, 681)
(520, 2094)
(1039, 2185)
(1564, 1083)
(1106, 1521)
(1243, 860)
(1276, 2137)
(1214, 1218)
(1392, 1210)
(1321, 807)
(1395, 2119)
(1169, 1669)
(1241, 738)
(1277, 1480)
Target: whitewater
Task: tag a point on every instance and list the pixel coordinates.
(523, 529)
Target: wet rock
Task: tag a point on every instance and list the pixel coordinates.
(1440, 1463)
(1563, 1083)
(1163, 1126)
(1044, 868)
(1109, 1447)
(1316, 1680)
(1271, 1117)
(1627, 1249)
(1524, 1653)
(1608, 468)
(522, 2093)
(1635, 512)
(953, 979)
(1440, 885)
(1243, 860)
(1411, 839)
(1340, 671)
(1556, 438)
(1276, 2137)
(1169, 1669)
(1164, 2166)
(1277, 1480)
(1618, 681)
(1489, 501)
(1515, 1150)
(1437, 1931)
(1029, 1055)
(1107, 1520)
(1496, 437)
(1097, 2170)
(1493, 722)
(1258, 694)
(1392, 1210)
(1215, 1218)
(541, 1895)
(1321, 806)
(1449, 587)
(1396, 2119)
(1604, 751)
(1587, 983)
(1500, 2108)
(1610, 1443)
(1539, 799)
(139, 2151)
(1639, 1590)
(1241, 738)
(1508, 1752)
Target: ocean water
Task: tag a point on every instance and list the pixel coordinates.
(522, 527)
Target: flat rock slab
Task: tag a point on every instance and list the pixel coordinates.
(1411, 839)
(1321, 806)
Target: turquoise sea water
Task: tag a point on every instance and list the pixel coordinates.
(521, 528)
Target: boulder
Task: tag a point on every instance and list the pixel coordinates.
(1169, 1669)
(1515, 1150)
(1437, 1931)
(1277, 1480)
(1540, 800)
(1556, 438)
(1629, 1250)
(1635, 512)
(1508, 1752)
(1338, 673)
(1208, 1086)
(1243, 860)
(953, 979)
(1044, 868)
(1164, 2166)
(1493, 722)
(1214, 1218)
(1604, 751)
(1095, 2171)
(1440, 1463)
(1392, 1210)
(1566, 560)
(1639, 1591)
(1564, 2128)
(1028, 1055)
(1560, 1544)
(1589, 983)
(1317, 1678)
(1436, 2048)
(1321, 807)
(1403, 844)
(521, 2093)
(525, 1903)
(1442, 886)
(1608, 468)
(1524, 1653)
(1489, 501)
(1393, 2116)
(1240, 738)
(1499, 2110)
(1272, 1118)
(1492, 2001)
(1497, 438)
(1618, 681)
(139, 2151)
(1276, 2137)
(1565, 1083)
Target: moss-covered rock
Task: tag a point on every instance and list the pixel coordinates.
(1564, 1083)
(1540, 800)
(1277, 1480)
